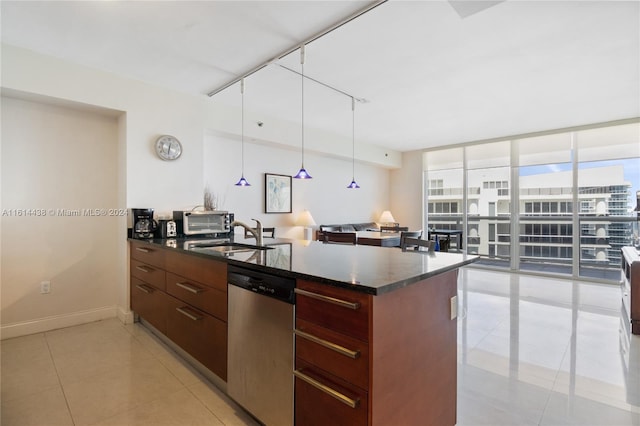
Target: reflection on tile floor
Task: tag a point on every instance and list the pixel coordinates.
(531, 351)
(544, 351)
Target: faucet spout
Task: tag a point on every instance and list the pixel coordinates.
(256, 232)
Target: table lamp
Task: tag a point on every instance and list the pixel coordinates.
(306, 220)
(386, 218)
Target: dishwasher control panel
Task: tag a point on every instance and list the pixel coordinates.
(281, 288)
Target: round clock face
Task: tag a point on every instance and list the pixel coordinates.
(168, 147)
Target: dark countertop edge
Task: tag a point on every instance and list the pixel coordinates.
(375, 291)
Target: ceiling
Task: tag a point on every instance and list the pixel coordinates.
(433, 72)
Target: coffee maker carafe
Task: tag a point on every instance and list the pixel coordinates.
(143, 224)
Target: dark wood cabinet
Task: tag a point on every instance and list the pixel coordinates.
(185, 298)
(323, 399)
(149, 303)
(201, 335)
(376, 360)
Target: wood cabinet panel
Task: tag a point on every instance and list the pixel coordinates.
(415, 339)
(203, 336)
(148, 273)
(206, 271)
(148, 254)
(351, 321)
(203, 297)
(315, 407)
(335, 353)
(149, 303)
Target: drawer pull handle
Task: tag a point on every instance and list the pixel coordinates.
(333, 300)
(144, 288)
(143, 269)
(188, 314)
(191, 288)
(144, 250)
(329, 345)
(353, 403)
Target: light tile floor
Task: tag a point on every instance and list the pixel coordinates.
(532, 351)
(106, 373)
(544, 351)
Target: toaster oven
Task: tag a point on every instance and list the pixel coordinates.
(203, 222)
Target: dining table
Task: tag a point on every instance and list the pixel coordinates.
(448, 233)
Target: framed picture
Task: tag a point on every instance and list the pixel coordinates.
(277, 193)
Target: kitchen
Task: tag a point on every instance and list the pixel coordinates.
(119, 169)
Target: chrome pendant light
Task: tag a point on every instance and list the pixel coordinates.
(302, 173)
(353, 184)
(242, 181)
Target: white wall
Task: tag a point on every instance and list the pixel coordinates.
(326, 195)
(406, 189)
(150, 112)
(56, 158)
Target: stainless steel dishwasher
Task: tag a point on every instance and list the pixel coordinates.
(261, 344)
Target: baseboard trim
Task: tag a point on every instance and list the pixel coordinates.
(40, 325)
(126, 317)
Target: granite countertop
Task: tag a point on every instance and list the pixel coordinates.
(367, 269)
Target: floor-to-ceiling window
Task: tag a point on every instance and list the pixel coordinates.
(608, 166)
(558, 203)
(545, 203)
(444, 185)
(489, 202)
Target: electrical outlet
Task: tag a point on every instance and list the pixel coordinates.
(454, 307)
(45, 287)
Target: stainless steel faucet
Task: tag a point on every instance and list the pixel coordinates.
(257, 232)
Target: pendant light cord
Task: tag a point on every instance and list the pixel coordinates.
(302, 97)
(242, 121)
(353, 138)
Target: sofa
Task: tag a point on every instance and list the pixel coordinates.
(346, 227)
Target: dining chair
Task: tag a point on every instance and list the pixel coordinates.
(416, 243)
(340, 237)
(409, 234)
(266, 233)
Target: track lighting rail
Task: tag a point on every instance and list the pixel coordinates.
(361, 100)
(291, 49)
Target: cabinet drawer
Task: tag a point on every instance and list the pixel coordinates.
(146, 253)
(204, 337)
(340, 355)
(203, 297)
(148, 273)
(149, 303)
(207, 271)
(346, 312)
(324, 400)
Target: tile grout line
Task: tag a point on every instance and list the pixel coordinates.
(187, 387)
(55, 366)
(555, 381)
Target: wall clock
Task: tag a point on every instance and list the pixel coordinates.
(168, 148)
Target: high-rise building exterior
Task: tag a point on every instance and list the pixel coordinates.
(546, 213)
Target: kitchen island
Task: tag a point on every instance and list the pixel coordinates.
(375, 328)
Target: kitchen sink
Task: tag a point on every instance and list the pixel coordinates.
(225, 248)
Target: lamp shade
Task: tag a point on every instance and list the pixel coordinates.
(387, 217)
(305, 219)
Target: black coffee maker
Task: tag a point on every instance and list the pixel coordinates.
(143, 224)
